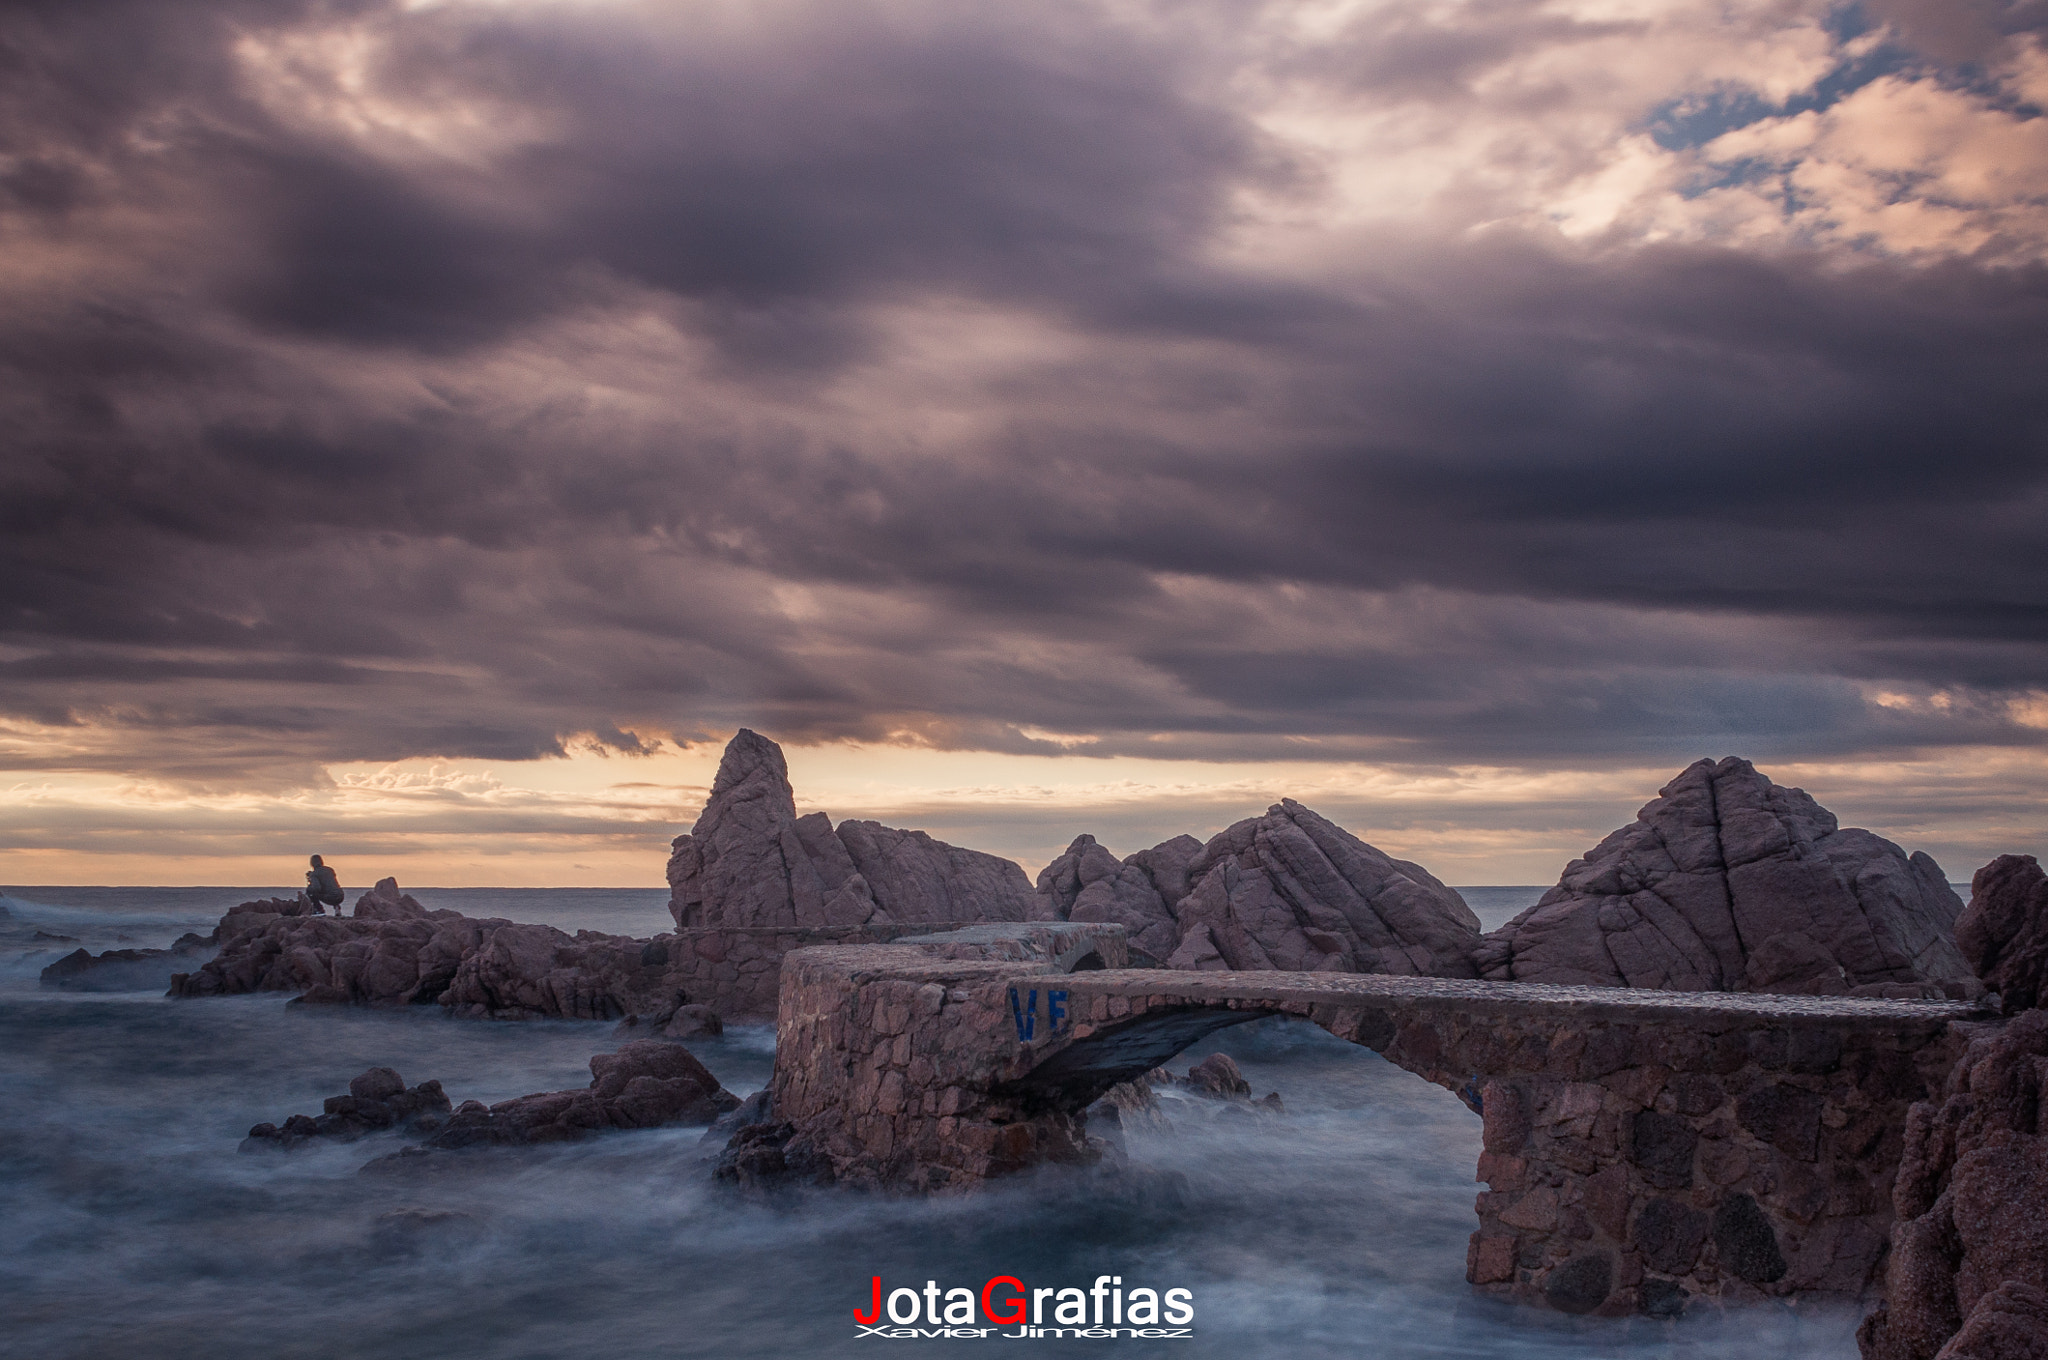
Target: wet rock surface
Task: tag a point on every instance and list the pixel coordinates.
(1728, 882)
(128, 970)
(649, 1083)
(377, 1101)
(750, 861)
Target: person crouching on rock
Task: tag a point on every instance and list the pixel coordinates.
(322, 887)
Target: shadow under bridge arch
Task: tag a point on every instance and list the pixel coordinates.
(1077, 1075)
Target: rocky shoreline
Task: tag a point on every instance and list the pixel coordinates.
(1724, 884)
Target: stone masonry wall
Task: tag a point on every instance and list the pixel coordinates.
(1639, 1149)
(737, 971)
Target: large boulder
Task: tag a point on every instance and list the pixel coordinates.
(1728, 882)
(751, 861)
(1291, 890)
(1088, 883)
(2004, 931)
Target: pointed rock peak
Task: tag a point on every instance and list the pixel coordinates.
(1727, 881)
(754, 772)
(748, 755)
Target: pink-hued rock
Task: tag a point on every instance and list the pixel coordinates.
(1088, 883)
(1293, 891)
(1728, 882)
(750, 861)
(2004, 931)
(1969, 1257)
(394, 952)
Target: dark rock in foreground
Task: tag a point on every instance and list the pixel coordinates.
(2004, 930)
(377, 1101)
(129, 970)
(647, 1084)
(1728, 882)
(751, 861)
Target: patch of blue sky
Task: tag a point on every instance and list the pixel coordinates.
(1699, 116)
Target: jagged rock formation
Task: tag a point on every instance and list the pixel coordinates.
(1291, 890)
(2004, 930)
(1969, 1262)
(750, 861)
(377, 1100)
(129, 970)
(1088, 883)
(394, 952)
(1728, 882)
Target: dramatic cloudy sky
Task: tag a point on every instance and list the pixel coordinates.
(430, 428)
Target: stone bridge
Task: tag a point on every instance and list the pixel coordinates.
(1640, 1147)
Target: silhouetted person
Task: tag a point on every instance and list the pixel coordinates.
(323, 889)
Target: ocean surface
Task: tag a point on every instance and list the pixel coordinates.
(131, 1227)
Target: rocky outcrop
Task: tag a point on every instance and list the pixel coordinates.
(377, 1101)
(1968, 1276)
(1969, 1259)
(750, 861)
(394, 952)
(129, 970)
(1088, 883)
(647, 1084)
(1293, 891)
(521, 971)
(2004, 931)
(1728, 882)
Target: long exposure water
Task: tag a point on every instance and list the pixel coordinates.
(131, 1227)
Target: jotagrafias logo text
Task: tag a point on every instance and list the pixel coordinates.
(1016, 1313)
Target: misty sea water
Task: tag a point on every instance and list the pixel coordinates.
(130, 1226)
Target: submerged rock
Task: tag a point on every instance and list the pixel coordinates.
(673, 1022)
(1728, 882)
(1125, 1108)
(751, 861)
(647, 1084)
(128, 970)
(377, 1101)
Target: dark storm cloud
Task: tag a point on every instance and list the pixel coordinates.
(326, 446)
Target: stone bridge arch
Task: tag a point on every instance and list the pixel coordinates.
(1639, 1147)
